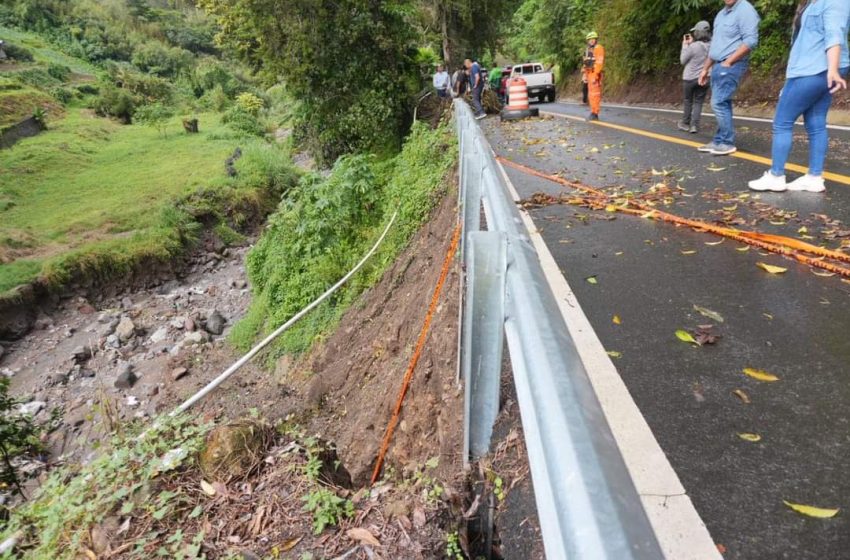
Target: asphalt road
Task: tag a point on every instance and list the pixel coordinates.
(650, 275)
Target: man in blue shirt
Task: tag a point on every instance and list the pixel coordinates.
(736, 34)
(476, 84)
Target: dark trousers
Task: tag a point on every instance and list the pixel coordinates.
(584, 92)
(694, 99)
(476, 100)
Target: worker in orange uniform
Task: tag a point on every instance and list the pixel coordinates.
(594, 61)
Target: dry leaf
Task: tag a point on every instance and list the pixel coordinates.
(760, 375)
(771, 268)
(743, 249)
(715, 169)
(289, 544)
(745, 398)
(419, 519)
(685, 336)
(616, 320)
(614, 354)
(713, 243)
(591, 280)
(207, 488)
(363, 536)
(713, 315)
(754, 438)
(812, 511)
(689, 252)
(825, 274)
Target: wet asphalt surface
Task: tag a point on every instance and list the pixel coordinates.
(651, 275)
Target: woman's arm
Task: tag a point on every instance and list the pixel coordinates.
(833, 78)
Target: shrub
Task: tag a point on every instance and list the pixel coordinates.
(216, 99)
(154, 115)
(249, 103)
(116, 103)
(239, 119)
(63, 95)
(59, 71)
(146, 86)
(158, 59)
(38, 78)
(88, 89)
(19, 54)
(210, 74)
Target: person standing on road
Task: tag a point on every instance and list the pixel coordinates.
(594, 63)
(817, 67)
(476, 85)
(694, 54)
(442, 82)
(461, 82)
(736, 34)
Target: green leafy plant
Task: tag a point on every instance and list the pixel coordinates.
(18, 437)
(327, 508)
(155, 115)
(249, 103)
(453, 550)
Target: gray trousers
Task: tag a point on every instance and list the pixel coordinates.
(694, 99)
(476, 100)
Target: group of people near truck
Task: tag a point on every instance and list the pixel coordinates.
(717, 60)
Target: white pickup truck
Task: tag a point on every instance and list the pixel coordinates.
(541, 83)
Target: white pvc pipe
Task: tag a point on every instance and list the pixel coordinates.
(256, 349)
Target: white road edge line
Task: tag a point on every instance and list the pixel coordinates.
(660, 110)
(678, 527)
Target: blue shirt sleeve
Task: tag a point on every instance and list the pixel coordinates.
(836, 17)
(750, 26)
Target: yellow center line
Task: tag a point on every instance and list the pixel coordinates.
(835, 177)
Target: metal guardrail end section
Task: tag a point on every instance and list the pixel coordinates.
(587, 504)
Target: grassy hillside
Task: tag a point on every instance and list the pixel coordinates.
(91, 185)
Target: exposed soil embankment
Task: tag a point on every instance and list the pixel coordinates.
(352, 380)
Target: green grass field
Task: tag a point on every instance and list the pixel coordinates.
(92, 185)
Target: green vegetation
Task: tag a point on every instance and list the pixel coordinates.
(324, 227)
(18, 437)
(118, 206)
(327, 508)
(131, 478)
(640, 38)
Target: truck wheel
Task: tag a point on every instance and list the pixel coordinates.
(550, 97)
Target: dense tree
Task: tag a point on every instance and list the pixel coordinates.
(349, 63)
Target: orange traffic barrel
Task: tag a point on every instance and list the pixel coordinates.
(517, 107)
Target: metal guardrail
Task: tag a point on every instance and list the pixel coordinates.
(586, 501)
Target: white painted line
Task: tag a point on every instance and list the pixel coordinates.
(673, 111)
(679, 528)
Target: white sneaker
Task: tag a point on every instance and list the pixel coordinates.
(809, 183)
(769, 182)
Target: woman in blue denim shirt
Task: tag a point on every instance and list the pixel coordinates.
(818, 63)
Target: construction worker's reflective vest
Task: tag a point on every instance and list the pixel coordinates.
(594, 60)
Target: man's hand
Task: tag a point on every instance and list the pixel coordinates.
(835, 82)
(703, 77)
(726, 63)
(584, 78)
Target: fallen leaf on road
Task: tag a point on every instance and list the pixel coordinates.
(803, 230)
(713, 243)
(745, 398)
(715, 169)
(289, 544)
(772, 269)
(616, 320)
(689, 252)
(610, 208)
(811, 511)
(750, 437)
(742, 249)
(614, 354)
(704, 335)
(685, 336)
(207, 488)
(591, 280)
(825, 274)
(768, 316)
(363, 536)
(760, 375)
(713, 315)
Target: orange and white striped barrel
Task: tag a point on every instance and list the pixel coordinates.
(517, 95)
